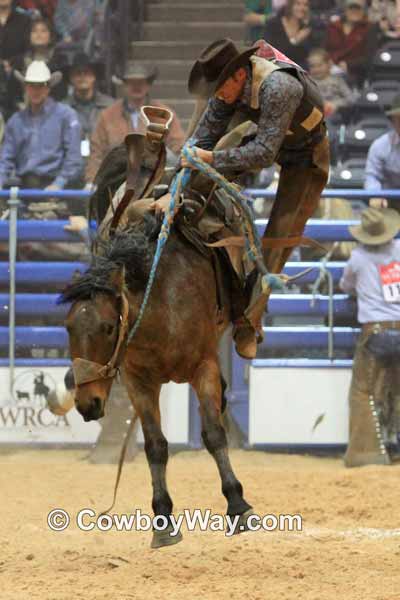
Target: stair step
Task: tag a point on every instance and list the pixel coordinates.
(170, 89)
(168, 50)
(176, 70)
(183, 108)
(186, 2)
(194, 12)
(201, 32)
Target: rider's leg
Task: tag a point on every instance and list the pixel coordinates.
(297, 197)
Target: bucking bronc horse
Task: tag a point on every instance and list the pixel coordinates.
(178, 337)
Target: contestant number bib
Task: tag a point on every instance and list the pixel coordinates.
(390, 281)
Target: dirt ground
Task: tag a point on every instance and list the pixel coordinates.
(349, 547)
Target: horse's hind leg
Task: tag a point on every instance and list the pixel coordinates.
(207, 383)
(145, 399)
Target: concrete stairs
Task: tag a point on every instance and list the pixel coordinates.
(174, 34)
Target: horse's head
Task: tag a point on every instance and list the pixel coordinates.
(96, 325)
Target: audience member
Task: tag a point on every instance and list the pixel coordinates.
(85, 98)
(45, 8)
(14, 40)
(74, 21)
(382, 170)
(14, 31)
(392, 32)
(256, 14)
(386, 14)
(294, 31)
(351, 41)
(372, 274)
(123, 117)
(42, 142)
(41, 47)
(334, 90)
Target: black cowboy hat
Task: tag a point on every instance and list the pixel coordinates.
(215, 65)
(81, 60)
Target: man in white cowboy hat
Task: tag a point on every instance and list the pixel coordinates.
(372, 274)
(42, 142)
(382, 170)
(123, 117)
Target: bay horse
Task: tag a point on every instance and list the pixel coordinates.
(177, 341)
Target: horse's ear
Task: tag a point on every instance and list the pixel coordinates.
(117, 280)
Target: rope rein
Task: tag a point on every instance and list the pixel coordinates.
(253, 244)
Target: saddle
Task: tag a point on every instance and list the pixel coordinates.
(146, 159)
(208, 219)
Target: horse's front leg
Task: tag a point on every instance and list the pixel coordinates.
(207, 383)
(145, 399)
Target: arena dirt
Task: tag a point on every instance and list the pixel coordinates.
(349, 548)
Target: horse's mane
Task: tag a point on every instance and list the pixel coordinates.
(132, 248)
(110, 175)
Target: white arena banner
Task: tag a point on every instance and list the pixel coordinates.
(25, 418)
(299, 406)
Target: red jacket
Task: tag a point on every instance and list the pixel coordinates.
(353, 48)
(46, 7)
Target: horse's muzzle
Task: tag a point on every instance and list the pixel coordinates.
(93, 411)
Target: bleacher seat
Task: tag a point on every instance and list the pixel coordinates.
(357, 138)
(374, 100)
(386, 63)
(348, 175)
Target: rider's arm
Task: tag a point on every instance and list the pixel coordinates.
(213, 124)
(280, 96)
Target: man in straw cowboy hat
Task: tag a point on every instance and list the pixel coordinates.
(262, 85)
(373, 275)
(42, 141)
(123, 117)
(382, 170)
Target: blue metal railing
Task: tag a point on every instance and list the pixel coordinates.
(53, 231)
(347, 194)
(33, 274)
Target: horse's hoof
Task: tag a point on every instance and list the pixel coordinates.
(242, 523)
(163, 538)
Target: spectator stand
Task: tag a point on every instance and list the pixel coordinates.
(362, 122)
(270, 413)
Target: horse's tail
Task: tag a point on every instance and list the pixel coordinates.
(109, 177)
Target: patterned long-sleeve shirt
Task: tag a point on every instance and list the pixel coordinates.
(279, 98)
